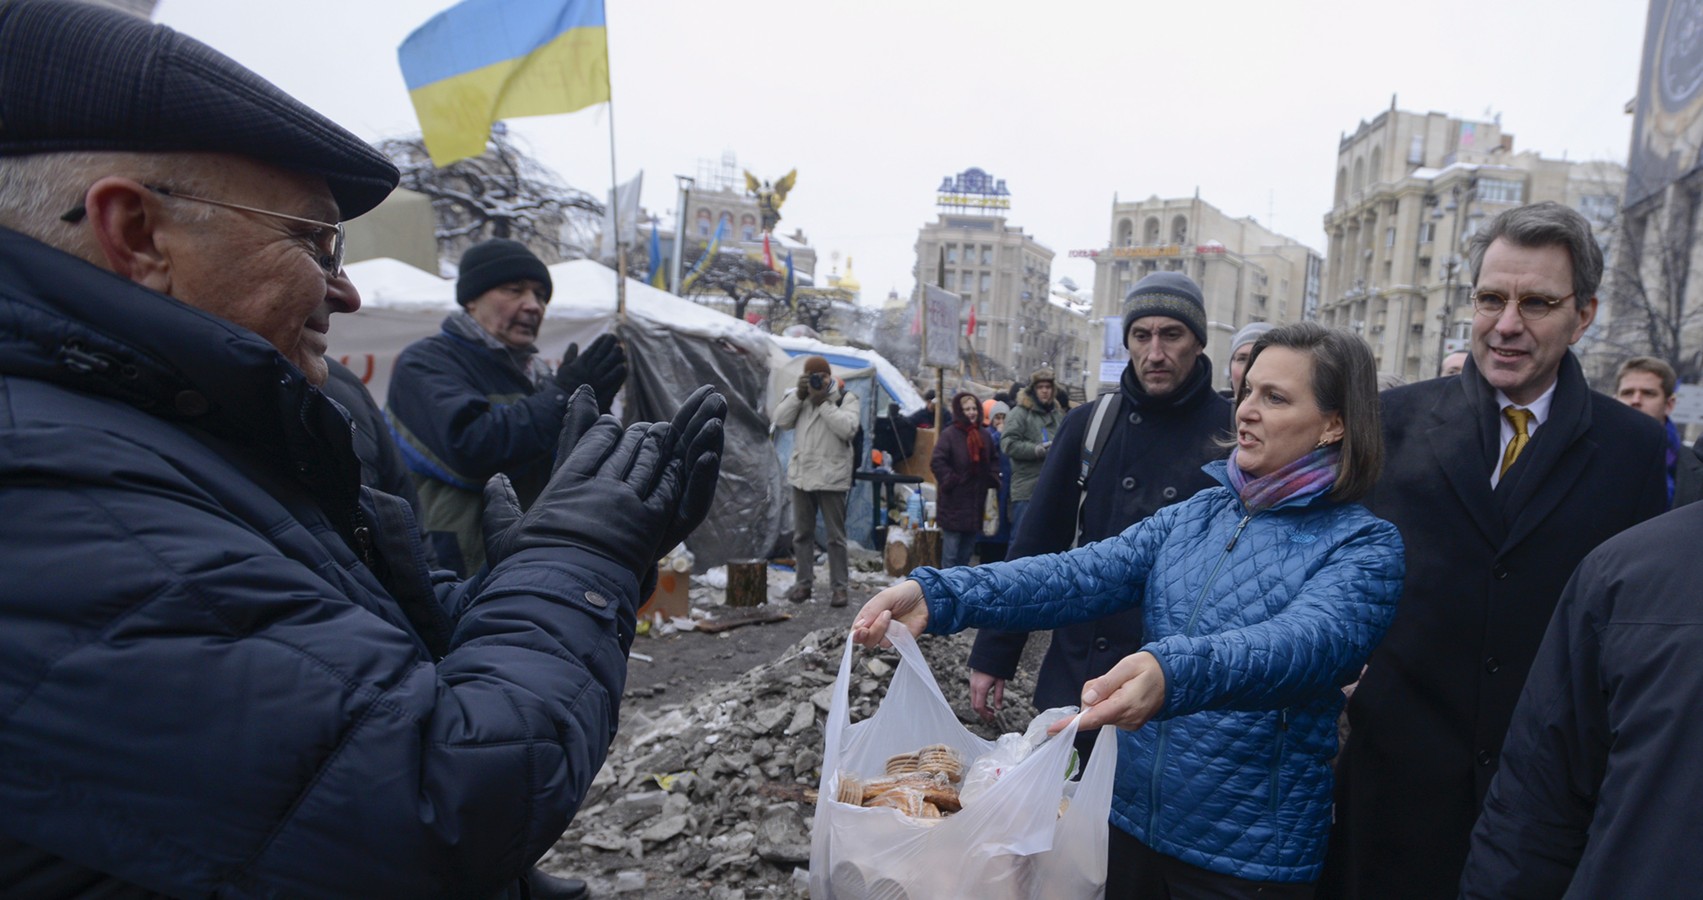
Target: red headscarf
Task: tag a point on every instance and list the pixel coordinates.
(972, 428)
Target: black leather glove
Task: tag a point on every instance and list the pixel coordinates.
(803, 386)
(502, 508)
(603, 367)
(698, 443)
(614, 496)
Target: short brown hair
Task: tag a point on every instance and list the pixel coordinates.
(1345, 381)
(1652, 365)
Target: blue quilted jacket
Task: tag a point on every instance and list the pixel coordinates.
(1257, 621)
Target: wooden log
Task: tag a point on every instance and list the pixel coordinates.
(747, 582)
(898, 556)
(925, 548)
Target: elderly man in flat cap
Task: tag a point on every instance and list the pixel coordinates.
(223, 670)
(475, 399)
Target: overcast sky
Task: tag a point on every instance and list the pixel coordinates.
(1069, 102)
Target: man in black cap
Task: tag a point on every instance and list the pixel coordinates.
(1155, 432)
(475, 399)
(223, 672)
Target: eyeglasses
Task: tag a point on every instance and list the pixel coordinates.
(1531, 306)
(328, 238)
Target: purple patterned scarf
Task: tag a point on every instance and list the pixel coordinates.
(1309, 476)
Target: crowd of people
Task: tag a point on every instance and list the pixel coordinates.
(264, 637)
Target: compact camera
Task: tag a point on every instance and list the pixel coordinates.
(818, 381)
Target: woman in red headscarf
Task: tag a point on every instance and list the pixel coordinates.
(965, 466)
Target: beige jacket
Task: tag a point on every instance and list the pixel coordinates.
(821, 449)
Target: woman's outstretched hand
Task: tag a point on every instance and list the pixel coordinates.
(902, 601)
(1128, 696)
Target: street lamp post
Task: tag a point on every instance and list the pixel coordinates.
(685, 182)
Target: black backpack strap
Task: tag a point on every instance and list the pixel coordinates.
(1092, 443)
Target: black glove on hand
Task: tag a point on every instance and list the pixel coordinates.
(698, 443)
(502, 508)
(603, 366)
(613, 496)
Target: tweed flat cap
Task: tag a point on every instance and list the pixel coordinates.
(82, 77)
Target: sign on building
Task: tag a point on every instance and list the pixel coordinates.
(941, 308)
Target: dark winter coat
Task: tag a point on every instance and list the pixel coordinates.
(962, 484)
(1027, 426)
(221, 671)
(461, 412)
(1152, 458)
(1257, 620)
(1484, 571)
(1598, 789)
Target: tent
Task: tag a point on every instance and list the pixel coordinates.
(673, 346)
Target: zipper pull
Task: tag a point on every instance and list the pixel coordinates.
(1237, 536)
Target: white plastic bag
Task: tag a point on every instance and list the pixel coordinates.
(1012, 844)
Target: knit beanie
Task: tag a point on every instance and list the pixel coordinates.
(815, 364)
(496, 262)
(1250, 332)
(996, 408)
(1170, 294)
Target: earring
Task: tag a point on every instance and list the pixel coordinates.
(1321, 444)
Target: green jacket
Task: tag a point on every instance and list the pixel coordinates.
(1028, 426)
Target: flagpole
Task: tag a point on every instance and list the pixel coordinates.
(615, 185)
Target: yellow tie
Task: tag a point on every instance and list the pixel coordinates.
(1519, 418)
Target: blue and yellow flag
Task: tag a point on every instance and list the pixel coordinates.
(791, 285)
(485, 60)
(704, 261)
(658, 275)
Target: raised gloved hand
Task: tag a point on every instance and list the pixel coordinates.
(803, 386)
(698, 443)
(613, 496)
(629, 501)
(603, 367)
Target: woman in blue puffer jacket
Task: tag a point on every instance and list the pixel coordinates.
(1261, 598)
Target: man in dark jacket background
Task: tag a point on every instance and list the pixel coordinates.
(1167, 425)
(476, 399)
(1501, 479)
(222, 672)
(1597, 793)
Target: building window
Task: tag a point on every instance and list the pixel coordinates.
(1598, 207)
(703, 219)
(1389, 237)
(725, 223)
(748, 227)
(1416, 151)
(1126, 233)
(987, 255)
(1427, 232)
(952, 253)
(1499, 190)
(968, 281)
(1179, 230)
(987, 282)
(1150, 231)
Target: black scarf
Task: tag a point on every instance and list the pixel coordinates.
(1189, 392)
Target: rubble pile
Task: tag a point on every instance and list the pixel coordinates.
(705, 798)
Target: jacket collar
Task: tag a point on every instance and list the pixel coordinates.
(67, 322)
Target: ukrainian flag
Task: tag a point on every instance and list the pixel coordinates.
(485, 60)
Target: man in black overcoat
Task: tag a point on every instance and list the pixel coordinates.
(1501, 480)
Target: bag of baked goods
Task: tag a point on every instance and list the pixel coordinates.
(891, 822)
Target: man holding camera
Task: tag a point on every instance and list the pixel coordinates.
(825, 417)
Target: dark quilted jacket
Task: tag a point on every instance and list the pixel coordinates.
(206, 688)
(1257, 620)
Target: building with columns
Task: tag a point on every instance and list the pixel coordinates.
(1005, 275)
(1247, 272)
(1411, 189)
